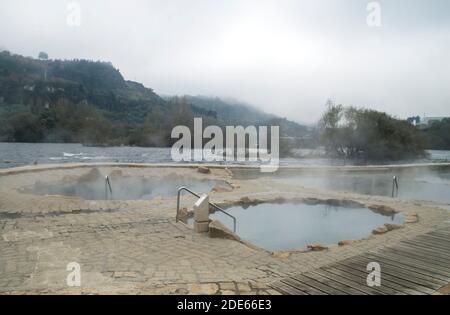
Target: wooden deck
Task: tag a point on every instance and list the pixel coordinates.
(419, 266)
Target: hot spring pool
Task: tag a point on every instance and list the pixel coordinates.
(414, 183)
(291, 226)
(92, 186)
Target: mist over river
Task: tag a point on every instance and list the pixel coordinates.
(20, 154)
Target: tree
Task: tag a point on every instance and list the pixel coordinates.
(328, 125)
(351, 132)
(438, 135)
(25, 127)
(43, 56)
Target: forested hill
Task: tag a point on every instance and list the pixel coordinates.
(90, 102)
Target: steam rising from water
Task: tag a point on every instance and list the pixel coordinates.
(92, 186)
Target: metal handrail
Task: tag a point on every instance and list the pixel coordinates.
(394, 186)
(107, 185)
(211, 204)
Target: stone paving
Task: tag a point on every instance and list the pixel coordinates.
(136, 247)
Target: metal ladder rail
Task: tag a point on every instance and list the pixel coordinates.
(394, 186)
(211, 204)
(107, 185)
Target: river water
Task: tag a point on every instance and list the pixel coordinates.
(20, 154)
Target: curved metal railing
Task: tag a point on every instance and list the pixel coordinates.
(211, 204)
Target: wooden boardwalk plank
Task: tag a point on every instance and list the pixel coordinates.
(418, 266)
(440, 234)
(334, 284)
(319, 286)
(413, 262)
(434, 239)
(360, 281)
(300, 286)
(286, 289)
(345, 281)
(393, 282)
(405, 274)
(440, 248)
(409, 267)
(429, 237)
(388, 287)
(414, 248)
(419, 256)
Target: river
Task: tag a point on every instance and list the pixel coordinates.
(20, 154)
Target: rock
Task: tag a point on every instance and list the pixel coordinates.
(382, 209)
(181, 291)
(392, 227)
(203, 288)
(281, 254)
(218, 230)
(245, 200)
(380, 230)
(412, 218)
(346, 242)
(183, 215)
(203, 170)
(221, 189)
(317, 247)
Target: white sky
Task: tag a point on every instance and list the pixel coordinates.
(284, 56)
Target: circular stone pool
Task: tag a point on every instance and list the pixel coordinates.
(293, 226)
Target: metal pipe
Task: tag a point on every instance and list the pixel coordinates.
(107, 185)
(394, 186)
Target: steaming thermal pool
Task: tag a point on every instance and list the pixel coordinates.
(291, 226)
(92, 186)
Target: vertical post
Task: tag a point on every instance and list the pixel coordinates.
(201, 214)
(107, 185)
(394, 186)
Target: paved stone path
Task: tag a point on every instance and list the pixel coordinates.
(136, 247)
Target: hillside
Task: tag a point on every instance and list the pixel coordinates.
(230, 111)
(90, 102)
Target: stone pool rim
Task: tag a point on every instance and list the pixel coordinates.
(345, 202)
(47, 167)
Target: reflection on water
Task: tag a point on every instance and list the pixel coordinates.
(291, 226)
(92, 187)
(413, 185)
